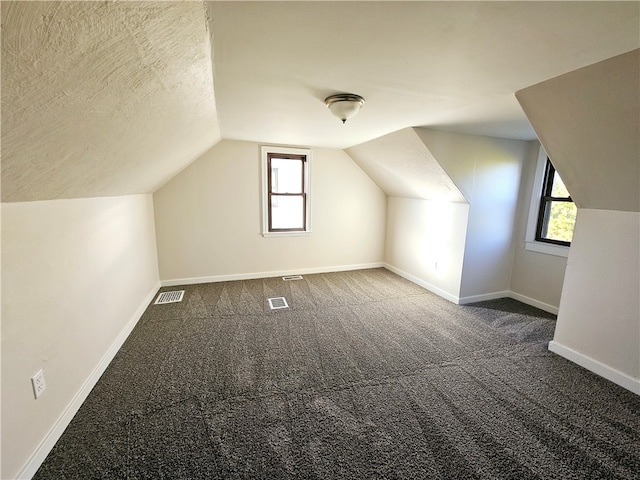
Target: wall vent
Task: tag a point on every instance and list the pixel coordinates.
(292, 277)
(277, 303)
(169, 297)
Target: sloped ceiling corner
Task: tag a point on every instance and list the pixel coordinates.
(102, 98)
(468, 159)
(402, 166)
(588, 121)
(442, 65)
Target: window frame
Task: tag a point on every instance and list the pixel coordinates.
(531, 244)
(302, 154)
(546, 199)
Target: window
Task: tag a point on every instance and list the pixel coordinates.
(552, 213)
(557, 213)
(285, 184)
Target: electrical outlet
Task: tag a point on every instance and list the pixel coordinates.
(37, 381)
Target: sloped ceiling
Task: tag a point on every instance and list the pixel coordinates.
(443, 65)
(402, 166)
(113, 98)
(589, 123)
(102, 98)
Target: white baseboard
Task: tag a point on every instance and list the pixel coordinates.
(307, 271)
(473, 298)
(483, 297)
(36, 459)
(534, 303)
(611, 374)
(423, 284)
(510, 294)
(617, 377)
(277, 273)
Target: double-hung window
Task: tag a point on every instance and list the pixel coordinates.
(285, 184)
(557, 214)
(552, 214)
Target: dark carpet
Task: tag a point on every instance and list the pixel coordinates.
(365, 376)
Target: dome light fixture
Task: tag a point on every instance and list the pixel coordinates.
(344, 105)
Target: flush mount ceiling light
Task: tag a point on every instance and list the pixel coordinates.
(344, 105)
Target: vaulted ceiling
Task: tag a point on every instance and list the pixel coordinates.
(589, 123)
(113, 98)
(102, 98)
(445, 65)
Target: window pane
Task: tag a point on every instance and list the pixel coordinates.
(561, 220)
(558, 189)
(286, 175)
(287, 212)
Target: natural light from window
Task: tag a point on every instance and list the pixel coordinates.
(552, 212)
(561, 216)
(285, 191)
(287, 201)
(557, 215)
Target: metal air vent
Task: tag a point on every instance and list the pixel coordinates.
(277, 303)
(169, 297)
(292, 277)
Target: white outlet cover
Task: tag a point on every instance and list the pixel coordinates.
(37, 381)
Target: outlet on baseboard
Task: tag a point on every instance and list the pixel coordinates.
(37, 381)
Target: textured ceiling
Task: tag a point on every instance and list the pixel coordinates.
(402, 166)
(446, 65)
(102, 98)
(114, 98)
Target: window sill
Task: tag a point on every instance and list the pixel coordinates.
(286, 234)
(547, 248)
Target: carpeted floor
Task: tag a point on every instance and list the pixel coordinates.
(365, 376)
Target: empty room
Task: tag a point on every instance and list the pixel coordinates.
(320, 240)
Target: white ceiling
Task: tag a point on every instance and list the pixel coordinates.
(445, 65)
(402, 166)
(115, 98)
(102, 98)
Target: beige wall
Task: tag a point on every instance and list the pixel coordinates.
(208, 218)
(536, 277)
(487, 171)
(75, 273)
(599, 319)
(425, 243)
(470, 252)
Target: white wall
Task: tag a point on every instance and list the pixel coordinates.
(536, 278)
(488, 171)
(588, 122)
(426, 241)
(496, 176)
(76, 275)
(599, 321)
(208, 219)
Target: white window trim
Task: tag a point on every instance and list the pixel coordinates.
(265, 151)
(530, 242)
